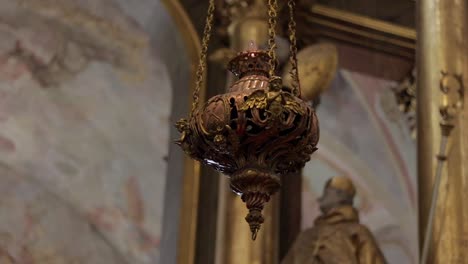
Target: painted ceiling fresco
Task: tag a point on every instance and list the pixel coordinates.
(84, 131)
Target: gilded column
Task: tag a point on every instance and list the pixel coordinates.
(442, 63)
(247, 23)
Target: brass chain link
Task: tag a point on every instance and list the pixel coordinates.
(296, 87)
(204, 50)
(272, 16)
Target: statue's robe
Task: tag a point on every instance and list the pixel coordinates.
(336, 238)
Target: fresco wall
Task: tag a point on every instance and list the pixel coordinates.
(85, 104)
(364, 136)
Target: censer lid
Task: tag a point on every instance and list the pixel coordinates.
(251, 61)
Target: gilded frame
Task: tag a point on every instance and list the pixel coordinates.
(190, 192)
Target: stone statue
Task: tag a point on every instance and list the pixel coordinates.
(337, 236)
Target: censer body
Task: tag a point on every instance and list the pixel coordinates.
(259, 130)
(254, 133)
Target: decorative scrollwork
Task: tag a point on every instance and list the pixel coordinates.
(405, 95)
(452, 88)
(254, 133)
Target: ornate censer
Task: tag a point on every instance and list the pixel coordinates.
(258, 130)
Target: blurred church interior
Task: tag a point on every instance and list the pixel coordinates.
(90, 91)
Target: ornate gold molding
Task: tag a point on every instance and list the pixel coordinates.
(318, 64)
(189, 207)
(322, 21)
(365, 22)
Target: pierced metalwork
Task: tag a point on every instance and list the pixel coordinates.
(255, 132)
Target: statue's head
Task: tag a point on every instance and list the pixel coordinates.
(338, 191)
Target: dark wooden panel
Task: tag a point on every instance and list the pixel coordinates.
(290, 211)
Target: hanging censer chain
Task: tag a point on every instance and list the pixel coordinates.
(296, 87)
(204, 50)
(217, 133)
(272, 14)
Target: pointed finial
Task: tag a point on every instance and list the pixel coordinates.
(254, 234)
(255, 220)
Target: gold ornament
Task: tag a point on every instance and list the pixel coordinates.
(318, 64)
